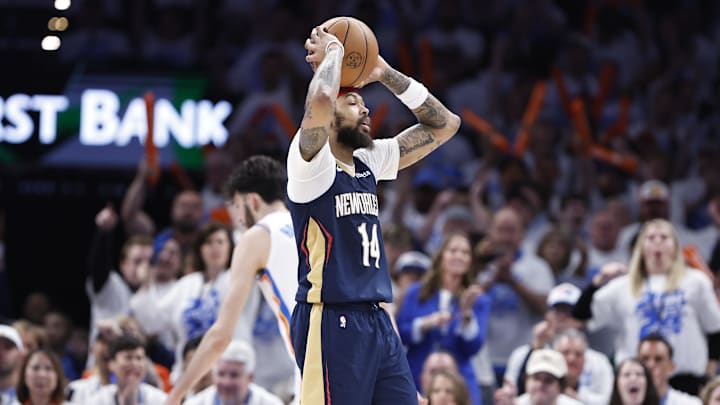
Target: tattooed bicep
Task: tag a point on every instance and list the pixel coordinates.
(432, 113)
(311, 140)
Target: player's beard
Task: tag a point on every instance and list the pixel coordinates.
(353, 137)
(249, 217)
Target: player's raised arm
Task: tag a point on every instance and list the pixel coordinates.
(436, 124)
(325, 54)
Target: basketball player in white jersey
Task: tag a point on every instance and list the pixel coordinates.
(265, 251)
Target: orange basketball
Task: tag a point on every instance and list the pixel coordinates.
(361, 48)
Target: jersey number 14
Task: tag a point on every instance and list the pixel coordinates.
(370, 244)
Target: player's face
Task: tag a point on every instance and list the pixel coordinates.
(352, 121)
(242, 210)
(232, 381)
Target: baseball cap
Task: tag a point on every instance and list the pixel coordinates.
(241, 352)
(564, 293)
(412, 261)
(654, 190)
(9, 333)
(546, 361)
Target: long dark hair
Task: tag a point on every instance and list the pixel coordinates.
(430, 283)
(58, 394)
(205, 232)
(651, 395)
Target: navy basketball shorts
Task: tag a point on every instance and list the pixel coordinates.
(349, 354)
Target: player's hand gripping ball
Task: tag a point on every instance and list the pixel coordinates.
(361, 48)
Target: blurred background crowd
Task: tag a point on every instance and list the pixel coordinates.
(582, 121)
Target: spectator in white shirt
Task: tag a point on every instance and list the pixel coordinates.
(79, 391)
(232, 380)
(659, 293)
(590, 374)
(11, 354)
(517, 283)
(128, 364)
(110, 291)
(546, 372)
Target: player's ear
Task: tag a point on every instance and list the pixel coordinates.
(255, 201)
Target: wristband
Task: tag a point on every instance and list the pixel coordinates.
(414, 95)
(335, 41)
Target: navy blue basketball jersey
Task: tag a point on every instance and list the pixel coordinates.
(340, 246)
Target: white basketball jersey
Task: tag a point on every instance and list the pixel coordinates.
(278, 281)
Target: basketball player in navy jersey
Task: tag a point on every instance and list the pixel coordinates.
(345, 344)
(266, 252)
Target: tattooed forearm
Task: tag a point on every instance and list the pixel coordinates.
(414, 138)
(432, 113)
(395, 81)
(327, 75)
(311, 140)
(329, 72)
(329, 69)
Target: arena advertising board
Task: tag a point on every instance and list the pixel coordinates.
(101, 120)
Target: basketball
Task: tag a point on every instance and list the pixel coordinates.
(361, 48)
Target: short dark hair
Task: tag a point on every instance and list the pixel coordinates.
(123, 343)
(142, 240)
(258, 174)
(657, 337)
(58, 393)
